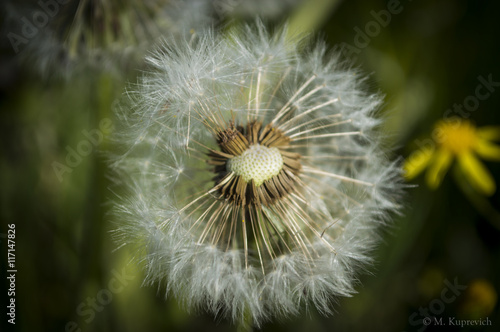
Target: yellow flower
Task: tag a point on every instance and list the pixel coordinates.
(461, 140)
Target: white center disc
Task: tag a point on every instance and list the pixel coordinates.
(257, 163)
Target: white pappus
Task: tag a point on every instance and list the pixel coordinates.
(256, 180)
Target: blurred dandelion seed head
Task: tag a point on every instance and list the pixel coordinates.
(255, 181)
(109, 35)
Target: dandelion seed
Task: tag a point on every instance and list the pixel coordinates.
(284, 185)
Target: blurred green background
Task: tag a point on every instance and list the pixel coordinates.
(427, 58)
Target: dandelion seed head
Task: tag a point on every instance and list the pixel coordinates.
(267, 184)
(107, 35)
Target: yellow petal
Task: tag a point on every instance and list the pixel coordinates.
(490, 133)
(488, 150)
(417, 162)
(438, 168)
(478, 176)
